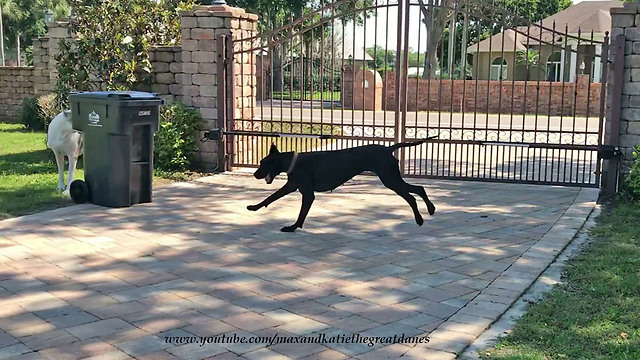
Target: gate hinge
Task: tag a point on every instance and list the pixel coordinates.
(609, 151)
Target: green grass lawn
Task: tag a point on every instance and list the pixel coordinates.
(297, 144)
(317, 95)
(595, 314)
(29, 175)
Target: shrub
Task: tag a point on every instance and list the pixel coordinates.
(174, 144)
(37, 112)
(632, 180)
(48, 107)
(28, 55)
(30, 115)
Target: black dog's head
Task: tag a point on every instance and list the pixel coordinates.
(270, 166)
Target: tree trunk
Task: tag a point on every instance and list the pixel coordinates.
(428, 21)
(308, 62)
(465, 34)
(452, 49)
(435, 19)
(277, 70)
(276, 66)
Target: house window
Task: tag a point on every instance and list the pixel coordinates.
(553, 67)
(498, 69)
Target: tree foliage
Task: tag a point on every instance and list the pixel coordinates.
(112, 43)
(382, 58)
(26, 18)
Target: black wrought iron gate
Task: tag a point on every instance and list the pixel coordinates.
(523, 104)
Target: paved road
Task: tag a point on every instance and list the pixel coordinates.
(87, 281)
(425, 119)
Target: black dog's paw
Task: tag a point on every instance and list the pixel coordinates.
(419, 221)
(291, 228)
(432, 210)
(253, 207)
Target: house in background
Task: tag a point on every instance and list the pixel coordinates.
(355, 56)
(560, 58)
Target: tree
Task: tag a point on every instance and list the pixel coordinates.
(436, 14)
(302, 40)
(25, 19)
(383, 59)
(112, 45)
(8, 9)
(529, 61)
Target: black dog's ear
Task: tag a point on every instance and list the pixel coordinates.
(274, 149)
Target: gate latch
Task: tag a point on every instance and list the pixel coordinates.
(609, 151)
(214, 134)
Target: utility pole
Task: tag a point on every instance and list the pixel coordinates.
(1, 36)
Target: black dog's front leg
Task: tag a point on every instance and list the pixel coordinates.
(307, 200)
(288, 188)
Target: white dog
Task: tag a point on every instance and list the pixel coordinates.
(63, 140)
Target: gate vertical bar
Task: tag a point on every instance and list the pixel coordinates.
(230, 105)
(616, 105)
(604, 60)
(405, 82)
(224, 156)
(399, 56)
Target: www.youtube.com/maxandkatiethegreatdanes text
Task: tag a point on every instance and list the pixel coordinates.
(316, 339)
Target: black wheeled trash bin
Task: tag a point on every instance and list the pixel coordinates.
(118, 128)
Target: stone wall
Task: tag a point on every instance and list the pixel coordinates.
(626, 21)
(16, 83)
(166, 64)
(494, 97)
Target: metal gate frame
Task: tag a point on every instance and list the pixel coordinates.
(229, 50)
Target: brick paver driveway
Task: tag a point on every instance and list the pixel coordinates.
(86, 281)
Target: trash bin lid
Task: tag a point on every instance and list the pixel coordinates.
(138, 95)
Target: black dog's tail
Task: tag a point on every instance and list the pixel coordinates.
(413, 143)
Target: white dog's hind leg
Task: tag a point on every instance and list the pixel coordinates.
(60, 162)
(72, 169)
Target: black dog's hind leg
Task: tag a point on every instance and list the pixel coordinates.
(392, 179)
(307, 200)
(288, 188)
(419, 190)
(394, 172)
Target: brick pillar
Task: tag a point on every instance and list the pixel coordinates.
(56, 32)
(200, 29)
(626, 21)
(41, 81)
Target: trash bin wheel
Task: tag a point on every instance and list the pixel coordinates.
(79, 192)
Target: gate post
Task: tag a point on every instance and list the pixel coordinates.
(221, 58)
(623, 114)
(202, 89)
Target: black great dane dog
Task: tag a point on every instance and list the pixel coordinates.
(326, 170)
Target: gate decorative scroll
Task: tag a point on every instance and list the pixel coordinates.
(525, 104)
